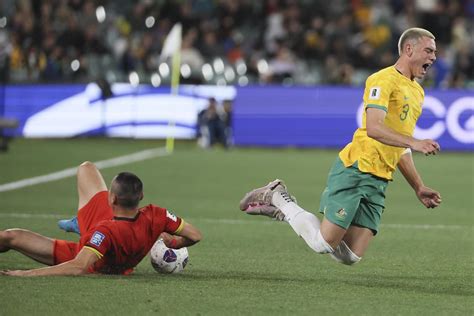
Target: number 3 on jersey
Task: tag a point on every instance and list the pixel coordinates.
(404, 114)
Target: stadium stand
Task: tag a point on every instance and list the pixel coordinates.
(242, 42)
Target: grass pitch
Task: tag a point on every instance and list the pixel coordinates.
(421, 263)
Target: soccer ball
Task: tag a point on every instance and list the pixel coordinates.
(167, 260)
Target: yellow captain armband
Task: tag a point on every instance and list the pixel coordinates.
(98, 254)
(180, 227)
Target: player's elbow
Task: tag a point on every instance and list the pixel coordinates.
(373, 131)
(78, 267)
(80, 271)
(191, 234)
(196, 236)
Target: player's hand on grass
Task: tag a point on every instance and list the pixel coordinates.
(429, 197)
(12, 272)
(426, 146)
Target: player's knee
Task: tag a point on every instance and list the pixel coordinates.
(87, 165)
(321, 245)
(7, 237)
(343, 254)
(86, 168)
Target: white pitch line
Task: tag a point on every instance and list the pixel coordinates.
(32, 216)
(229, 221)
(425, 226)
(69, 172)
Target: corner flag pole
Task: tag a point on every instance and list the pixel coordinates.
(172, 47)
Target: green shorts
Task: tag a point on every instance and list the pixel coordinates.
(353, 197)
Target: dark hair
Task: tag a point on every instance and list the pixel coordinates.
(128, 188)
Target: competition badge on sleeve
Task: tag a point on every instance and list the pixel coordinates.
(97, 238)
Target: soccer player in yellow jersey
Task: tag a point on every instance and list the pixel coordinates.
(353, 200)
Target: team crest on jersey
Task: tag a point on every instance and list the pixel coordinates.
(341, 213)
(171, 216)
(97, 238)
(374, 93)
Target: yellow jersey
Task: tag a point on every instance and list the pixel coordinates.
(402, 99)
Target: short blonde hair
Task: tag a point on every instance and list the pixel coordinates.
(413, 33)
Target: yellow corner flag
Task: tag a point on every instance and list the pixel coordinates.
(172, 48)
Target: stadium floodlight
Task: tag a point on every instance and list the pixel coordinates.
(164, 70)
(262, 66)
(185, 71)
(155, 80)
(241, 67)
(134, 79)
(100, 14)
(243, 81)
(110, 76)
(149, 22)
(229, 74)
(3, 22)
(221, 82)
(218, 65)
(75, 64)
(207, 72)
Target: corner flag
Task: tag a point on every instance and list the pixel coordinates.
(172, 48)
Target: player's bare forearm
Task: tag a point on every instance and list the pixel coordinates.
(406, 165)
(188, 236)
(177, 242)
(427, 196)
(61, 269)
(54, 270)
(377, 130)
(77, 266)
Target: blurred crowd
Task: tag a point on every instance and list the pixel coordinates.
(229, 41)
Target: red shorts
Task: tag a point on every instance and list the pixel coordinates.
(96, 210)
(64, 250)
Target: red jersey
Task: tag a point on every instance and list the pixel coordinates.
(121, 243)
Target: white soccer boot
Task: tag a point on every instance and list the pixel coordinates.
(266, 210)
(259, 201)
(261, 195)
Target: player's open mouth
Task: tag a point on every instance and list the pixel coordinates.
(426, 66)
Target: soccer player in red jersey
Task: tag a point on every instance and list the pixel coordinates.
(115, 234)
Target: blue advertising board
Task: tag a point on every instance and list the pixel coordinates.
(328, 116)
(262, 115)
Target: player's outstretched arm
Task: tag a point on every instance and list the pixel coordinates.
(188, 236)
(77, 266)
(428, 197)
(377, 130)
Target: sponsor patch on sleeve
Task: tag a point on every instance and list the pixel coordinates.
(171, 216)
(374, 93)
(97, 238)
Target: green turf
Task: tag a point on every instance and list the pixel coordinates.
(247, 265)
